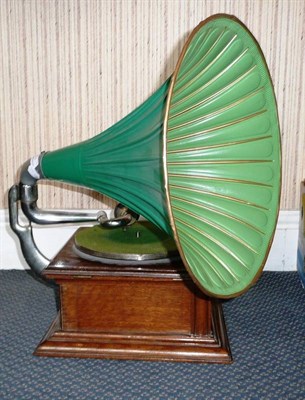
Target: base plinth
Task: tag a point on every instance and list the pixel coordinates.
(132, 311)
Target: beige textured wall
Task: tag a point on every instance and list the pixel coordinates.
(71, 68)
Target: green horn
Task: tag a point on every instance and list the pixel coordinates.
(200, 158)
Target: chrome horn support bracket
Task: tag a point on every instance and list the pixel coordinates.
(35, 259)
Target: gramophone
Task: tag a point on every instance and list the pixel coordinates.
(200, 162)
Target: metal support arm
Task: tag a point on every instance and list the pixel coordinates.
(26, 193)
(35, 259)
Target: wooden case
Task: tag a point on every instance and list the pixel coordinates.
(132, 311)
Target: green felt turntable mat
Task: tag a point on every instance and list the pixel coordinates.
(141, 238)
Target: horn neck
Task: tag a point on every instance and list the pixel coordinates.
(124, 162)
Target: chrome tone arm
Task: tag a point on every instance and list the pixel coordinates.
(29, 197)
(26, 193)
(30, 174)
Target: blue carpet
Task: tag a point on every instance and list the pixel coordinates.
(266, 329)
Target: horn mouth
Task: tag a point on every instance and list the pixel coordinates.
(222, 157)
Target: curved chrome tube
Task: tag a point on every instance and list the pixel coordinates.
(26, 193)
(29, 197)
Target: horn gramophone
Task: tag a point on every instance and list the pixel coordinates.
(199, 160)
